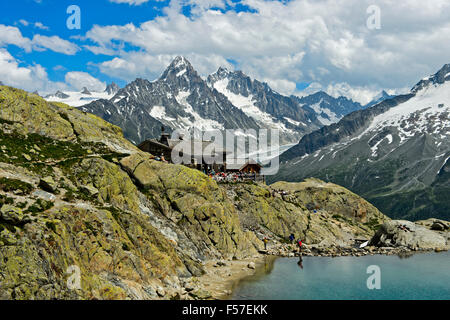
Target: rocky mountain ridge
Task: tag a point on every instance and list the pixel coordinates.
(77, 99)
(395, 153)
(181, 99)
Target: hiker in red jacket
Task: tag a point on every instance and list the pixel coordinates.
(299, 242)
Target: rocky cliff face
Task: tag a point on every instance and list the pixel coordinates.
(78, 198)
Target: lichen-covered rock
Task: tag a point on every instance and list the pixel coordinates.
(282, 209)
(48, 184)
(155, 175)
(11, 214)
(314, 194)
(108, 250)
(404, 233)
(32, 114)
(195, 202)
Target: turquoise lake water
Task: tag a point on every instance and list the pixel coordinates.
(416, 277)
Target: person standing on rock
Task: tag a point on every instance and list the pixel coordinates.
(292, 238)
(300, 243)
(265, 243)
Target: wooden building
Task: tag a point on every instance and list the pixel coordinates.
(250, 166)
(202, 155)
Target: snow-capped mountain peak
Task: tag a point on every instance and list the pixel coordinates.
(438, 78)
(179, 67)
(396, 153)
(112, 88)
(86, 91)
(79, 98)
(426, 112)
(383, 95)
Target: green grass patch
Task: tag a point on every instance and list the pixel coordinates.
(39, 205)
(9, 185)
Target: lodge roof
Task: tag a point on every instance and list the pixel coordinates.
(186, 145)
(240, 165)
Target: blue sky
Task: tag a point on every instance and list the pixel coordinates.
(52, 14)
(292, 45)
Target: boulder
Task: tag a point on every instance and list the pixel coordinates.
(439, 226)
(90, 189)
(11, 214)
(251, 265)
(434, 224)
(402, 233)
(48, 184)
(44, 195)
(161, 292)
(200, 294)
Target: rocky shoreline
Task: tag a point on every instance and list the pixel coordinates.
(395, 237)
(335, 251)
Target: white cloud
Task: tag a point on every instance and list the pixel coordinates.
(13, 36)
(130, 2)
(78, 80)
(54, 43)
(35, 78)
(29, 78)
(324, 42)
(38, 25)
(41, 26)
(362, 95)
(24, 22)
(140, 64)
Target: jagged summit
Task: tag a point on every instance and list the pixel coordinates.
(178, 67)
(438, 78)
(182, 75)
(382, 96)
(180, 61)
(59, 94)
(112, 88)
(85, 91)
(221, 73)
(222, 70)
